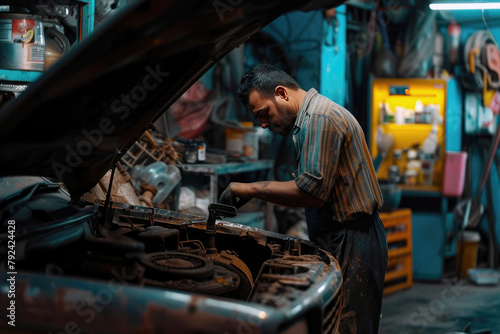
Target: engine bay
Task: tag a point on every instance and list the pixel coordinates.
(172, 250)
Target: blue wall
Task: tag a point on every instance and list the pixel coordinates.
(333, 58)
(300, 34)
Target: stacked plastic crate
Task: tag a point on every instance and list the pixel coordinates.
(399, 273)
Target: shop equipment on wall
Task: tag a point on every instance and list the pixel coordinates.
(23, 41)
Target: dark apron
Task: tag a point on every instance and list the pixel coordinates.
(360, 247)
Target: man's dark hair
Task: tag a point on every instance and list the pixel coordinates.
(264, 78)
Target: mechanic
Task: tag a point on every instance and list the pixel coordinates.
(335, 182)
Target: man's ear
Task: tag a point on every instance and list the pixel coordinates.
(281, 92)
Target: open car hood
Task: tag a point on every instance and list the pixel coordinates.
(78, 119)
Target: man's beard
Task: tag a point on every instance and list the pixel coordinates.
(287, 121)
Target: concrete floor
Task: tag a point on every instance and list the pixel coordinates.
(441, 308)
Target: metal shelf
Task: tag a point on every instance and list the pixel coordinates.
(213, 171)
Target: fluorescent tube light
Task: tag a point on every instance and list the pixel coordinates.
(465, 5)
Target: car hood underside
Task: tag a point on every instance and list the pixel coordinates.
(77, 120)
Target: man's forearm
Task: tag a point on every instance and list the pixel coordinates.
(282, 193)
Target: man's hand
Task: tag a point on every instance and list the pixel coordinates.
(234, 195)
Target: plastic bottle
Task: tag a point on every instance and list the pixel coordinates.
(413, 170)
(161, 176)
(191, 154)
(400, 160)
(431, 144)
(394, 173)
(419, 111)
(202, 150)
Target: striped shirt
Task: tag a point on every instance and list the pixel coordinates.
(334, 163)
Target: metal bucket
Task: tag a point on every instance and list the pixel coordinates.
(22, 43)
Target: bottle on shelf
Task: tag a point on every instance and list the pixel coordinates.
(419, 111)
(202, 151)
(394, 174)
(413, 169)
(386, 114)
(409, 116)
(191, 154)
(400, 160)
(427, 169)
(397, 166)
(431, 144)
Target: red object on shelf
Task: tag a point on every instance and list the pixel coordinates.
(454, 32)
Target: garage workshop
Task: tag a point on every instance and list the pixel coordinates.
(249, 166)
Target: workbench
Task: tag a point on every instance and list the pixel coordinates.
(220, 175)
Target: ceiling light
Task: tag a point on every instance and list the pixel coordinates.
(465, 5)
